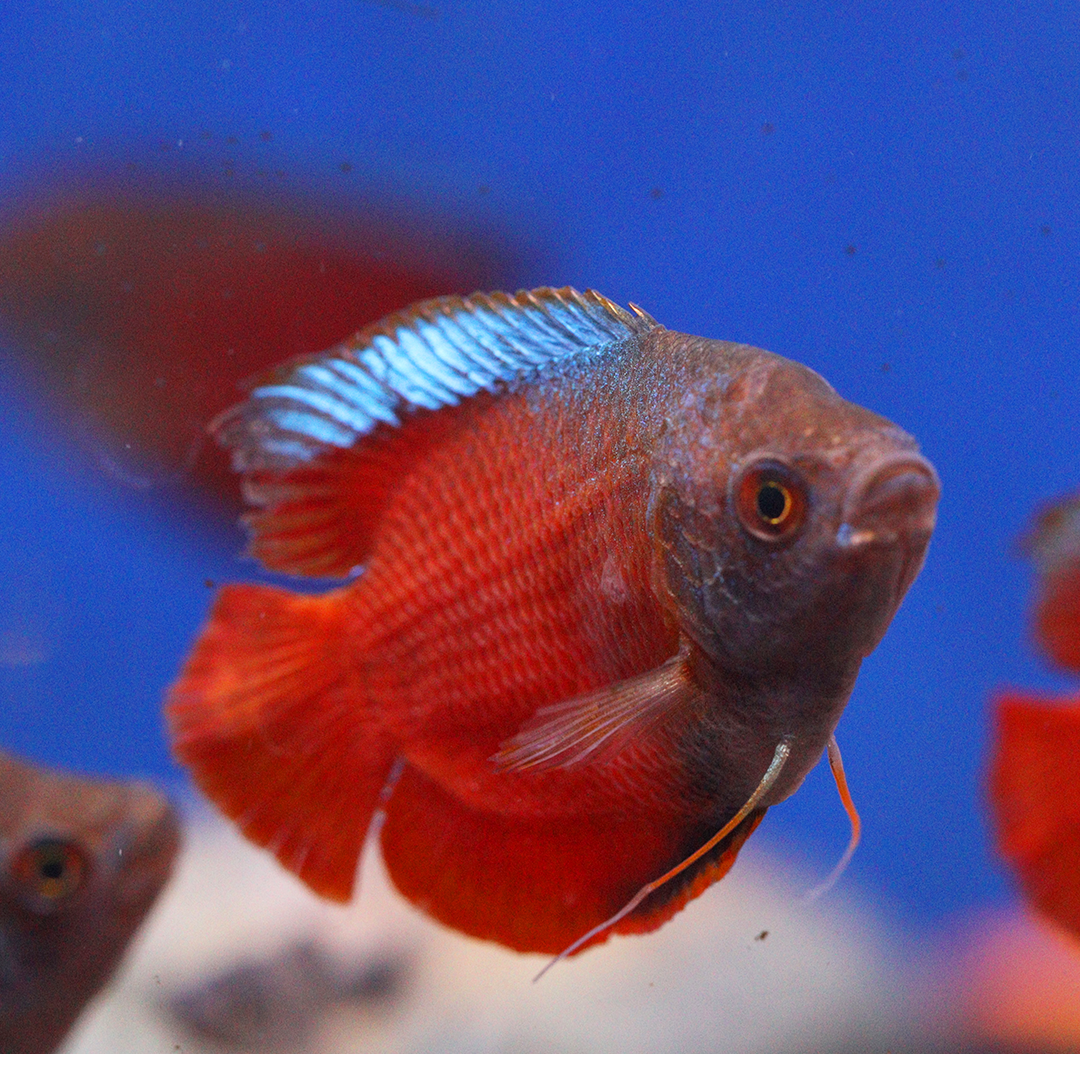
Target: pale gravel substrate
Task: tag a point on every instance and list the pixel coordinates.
(821, 979)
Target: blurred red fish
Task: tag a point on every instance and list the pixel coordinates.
(1035, 796)
(1035, 765)
(1054, 545)
(81, 862)
(617, 584)
(142, 311)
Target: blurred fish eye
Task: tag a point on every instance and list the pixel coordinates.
(50, 869)
(771, 501)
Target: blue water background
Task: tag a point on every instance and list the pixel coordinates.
(885, 192)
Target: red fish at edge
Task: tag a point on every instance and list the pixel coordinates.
(616, 586)
(1034, 790)
(1054, 546)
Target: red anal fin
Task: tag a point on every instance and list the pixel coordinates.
(267, 720)
(535, 885)
(1035, 794)
(655, 910)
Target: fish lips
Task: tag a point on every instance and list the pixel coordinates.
(888, 518)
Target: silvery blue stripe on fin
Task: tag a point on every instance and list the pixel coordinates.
(430, 355)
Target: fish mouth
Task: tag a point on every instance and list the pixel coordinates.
(888, 519)
(890, 515)
(895, 501)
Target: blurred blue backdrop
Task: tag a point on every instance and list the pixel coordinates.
(885, 192)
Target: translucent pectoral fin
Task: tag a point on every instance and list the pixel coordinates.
(582, 728)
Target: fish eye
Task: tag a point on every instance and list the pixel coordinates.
(50, 870)
(771, 500)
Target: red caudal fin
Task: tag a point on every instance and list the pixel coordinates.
(1035, 796)
(537, 885)
(265, 715)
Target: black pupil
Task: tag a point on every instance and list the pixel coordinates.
(53, 867)
(771, 501)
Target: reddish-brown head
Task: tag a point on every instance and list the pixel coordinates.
(791, 521)
(81, 862)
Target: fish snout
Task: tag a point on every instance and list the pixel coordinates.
(894, 500)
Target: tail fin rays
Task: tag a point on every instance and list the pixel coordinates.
(267, 716)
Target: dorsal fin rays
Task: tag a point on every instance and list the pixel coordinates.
(479, 363)
(321, 441)
(431, 355)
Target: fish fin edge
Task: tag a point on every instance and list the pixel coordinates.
(430, 355)
(322, 440)
(532, 884)
(318, 520)
(1033, 793)
(264, 716)
(657, 909)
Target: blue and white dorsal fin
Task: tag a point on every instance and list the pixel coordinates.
(323, 441)
(427, 356)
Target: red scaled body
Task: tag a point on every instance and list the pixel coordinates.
(567, 648)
